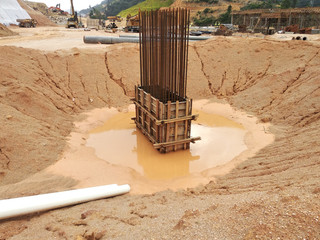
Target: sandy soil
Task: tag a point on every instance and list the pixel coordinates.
(41, 19)
(4, 31)
(274, 194)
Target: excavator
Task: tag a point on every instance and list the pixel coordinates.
(73, 20)
(132, 23)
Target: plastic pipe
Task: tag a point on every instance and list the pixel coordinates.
(109, 40)
(25, 205)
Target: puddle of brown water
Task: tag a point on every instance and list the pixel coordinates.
(81, 163)
(120, 143)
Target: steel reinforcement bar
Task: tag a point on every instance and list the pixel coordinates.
(164, 38)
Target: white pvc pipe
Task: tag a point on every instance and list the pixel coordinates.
(24, 205)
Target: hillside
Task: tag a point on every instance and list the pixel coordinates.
(146, 5)
(125, 7)
(36, 14)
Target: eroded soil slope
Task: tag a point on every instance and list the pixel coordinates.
(4, 31)
(37, 15)
(275, 194)
(40, 93)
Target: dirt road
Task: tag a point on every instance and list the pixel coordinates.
(49, 78)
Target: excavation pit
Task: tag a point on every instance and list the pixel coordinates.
(120, 143)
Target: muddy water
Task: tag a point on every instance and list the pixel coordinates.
(119, 143)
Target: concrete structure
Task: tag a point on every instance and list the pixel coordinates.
(270, 20)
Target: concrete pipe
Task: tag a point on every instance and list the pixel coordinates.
(109, 40)
(25, 205)
(191, 38)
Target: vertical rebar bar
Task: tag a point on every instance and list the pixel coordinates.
(164, 38)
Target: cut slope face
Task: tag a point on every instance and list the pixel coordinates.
(41, 19)
(40, 93)
(266, 77)
(4, 31)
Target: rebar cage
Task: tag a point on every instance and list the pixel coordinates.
(163, 111)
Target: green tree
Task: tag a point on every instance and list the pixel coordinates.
(226, 17)
(285, 4)
(268, 4)
(204, 18)
(294, 3)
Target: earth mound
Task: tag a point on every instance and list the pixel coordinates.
(4, 31)
(37, 15)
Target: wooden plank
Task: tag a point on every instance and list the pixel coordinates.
(161, 127)
(146, 133)
(148, 97)
(186, 125)
(149, 102)
(176, 125)
(146, 111)
(136, 99)
(172, 120)
(142, 112)
(168, 124)
(141, 96)
(157, 116)
(166, 144)
(164, 121)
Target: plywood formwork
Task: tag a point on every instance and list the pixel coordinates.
(167, 125)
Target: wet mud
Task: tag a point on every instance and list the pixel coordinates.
(119, 142)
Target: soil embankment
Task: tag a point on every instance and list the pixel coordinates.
(37, 15)
(4, 31)
(274, 194)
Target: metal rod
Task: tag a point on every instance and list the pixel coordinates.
(164, 38)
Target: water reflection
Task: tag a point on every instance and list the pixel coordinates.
(118, 142)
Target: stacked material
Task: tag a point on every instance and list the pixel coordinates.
(10, 11)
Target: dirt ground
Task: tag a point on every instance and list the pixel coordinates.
(50, 78)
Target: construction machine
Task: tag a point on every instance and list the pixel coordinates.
(224, 30)
(73, 20)
(112, 20)
(27, 23)
(132, 23)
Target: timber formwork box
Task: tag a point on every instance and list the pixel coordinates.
(167, 125)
